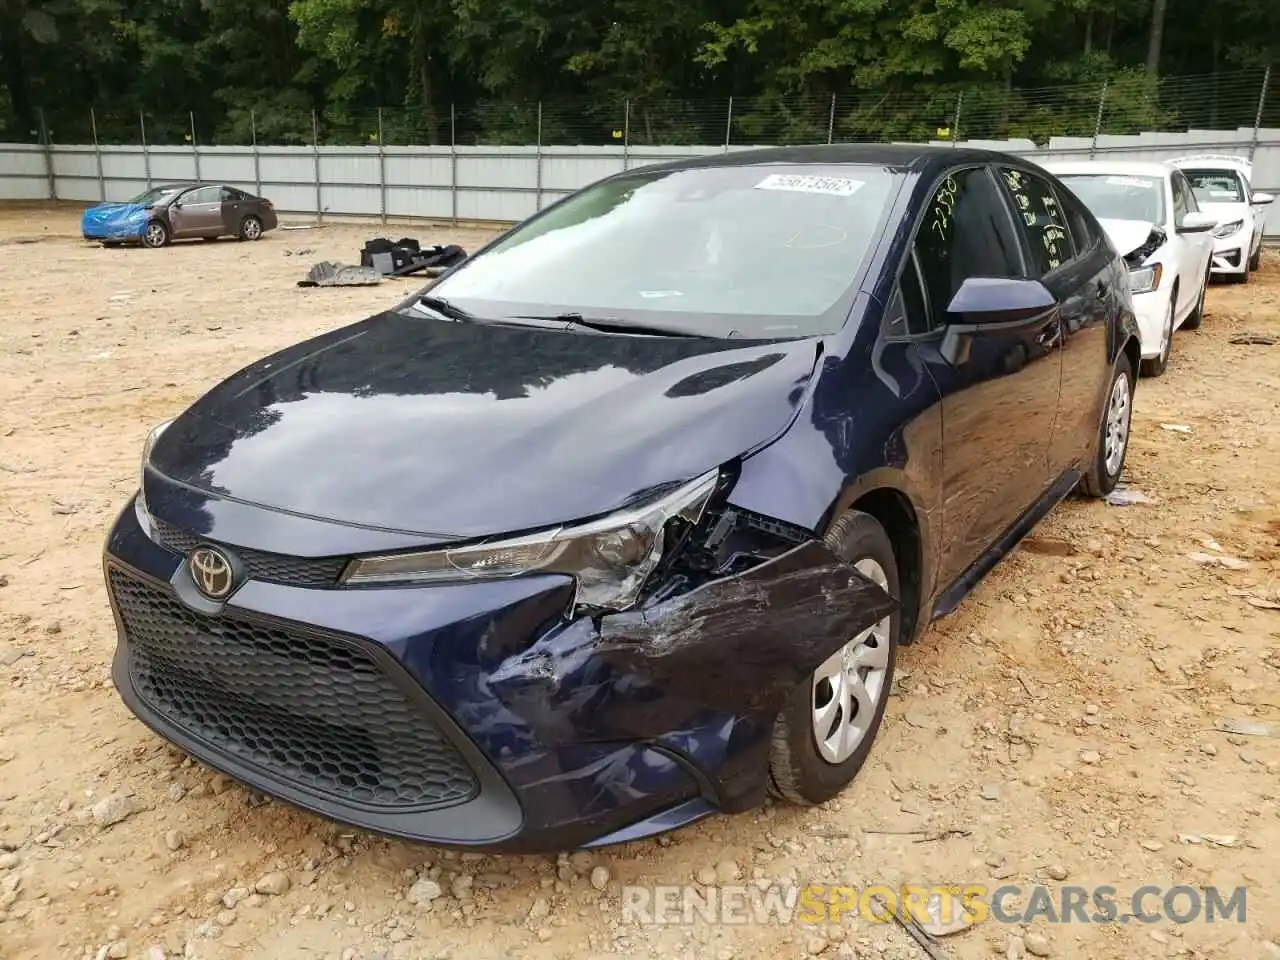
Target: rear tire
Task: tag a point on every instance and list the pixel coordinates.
(800, 770)
(1117, 413)
(250, 228)
(155, 234)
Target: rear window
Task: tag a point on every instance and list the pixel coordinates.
(1118, 197)
(1216, 186)
(749, 251)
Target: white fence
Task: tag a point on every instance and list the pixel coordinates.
(502, 184)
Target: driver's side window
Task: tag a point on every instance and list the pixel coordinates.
(202, 195)
(966, 231)
(1180, 206)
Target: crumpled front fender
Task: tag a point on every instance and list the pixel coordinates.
(735, 646)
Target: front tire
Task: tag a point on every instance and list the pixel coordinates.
(1113, 433)
(1255, 261)
(155, 234)
(825, 731)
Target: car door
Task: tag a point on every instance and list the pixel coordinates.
(1067, 255)
(1193, 250)
(999, 395)
(1256, 217)
(235, 204)
(197, 213)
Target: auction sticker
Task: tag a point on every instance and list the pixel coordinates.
(801, 183)
(1143, 182)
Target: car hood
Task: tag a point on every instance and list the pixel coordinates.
(1226, 212)
(1126, 235)
(461, 430)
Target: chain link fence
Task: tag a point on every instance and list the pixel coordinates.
(1129, 104)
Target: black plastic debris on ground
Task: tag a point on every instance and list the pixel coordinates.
(400, 258)
(329, 274)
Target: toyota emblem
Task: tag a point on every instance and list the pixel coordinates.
(211, 572)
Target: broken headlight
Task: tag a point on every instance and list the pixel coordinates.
(609, 558)
(1145, 279)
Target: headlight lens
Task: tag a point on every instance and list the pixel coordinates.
(1145, 279)
(1227, 229)
(610, 558)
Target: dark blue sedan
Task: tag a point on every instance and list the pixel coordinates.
(623, 521)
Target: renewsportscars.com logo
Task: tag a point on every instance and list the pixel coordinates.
(931, 905)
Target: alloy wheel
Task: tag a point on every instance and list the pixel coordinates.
(848, 686)
(252, 229)
(1119, 410)
(155, 235)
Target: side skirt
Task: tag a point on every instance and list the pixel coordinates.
(950, 598)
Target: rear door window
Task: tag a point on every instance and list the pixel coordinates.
(1041, 218)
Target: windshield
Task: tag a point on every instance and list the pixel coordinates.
(751, 251)
(1119, 197)
(153, 196)
(1215, 186)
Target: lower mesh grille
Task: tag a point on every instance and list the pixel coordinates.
(313, 710)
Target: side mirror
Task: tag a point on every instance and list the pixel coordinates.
(982, 300)
(1261, 198)
(1197, 223)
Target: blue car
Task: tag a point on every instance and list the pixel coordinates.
(180, 211)
(623, 520)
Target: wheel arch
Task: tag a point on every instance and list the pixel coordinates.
(882, 497)
(1132, 349)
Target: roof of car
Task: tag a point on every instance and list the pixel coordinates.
(1122, 168)
(187, 184)
(901, 156)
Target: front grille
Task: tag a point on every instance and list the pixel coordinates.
(274, 567)
(313, 710)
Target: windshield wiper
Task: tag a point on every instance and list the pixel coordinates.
(444, 308)
(611, 325)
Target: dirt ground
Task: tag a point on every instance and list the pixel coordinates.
(1058, 729)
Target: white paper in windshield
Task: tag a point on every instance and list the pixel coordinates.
(1142, 182)
(802, 183)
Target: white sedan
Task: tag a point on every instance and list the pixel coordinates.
(1222, 186)
(1154, 221)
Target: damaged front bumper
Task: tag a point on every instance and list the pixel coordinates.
(114, 223)
(1151, 310)
(560, 733)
